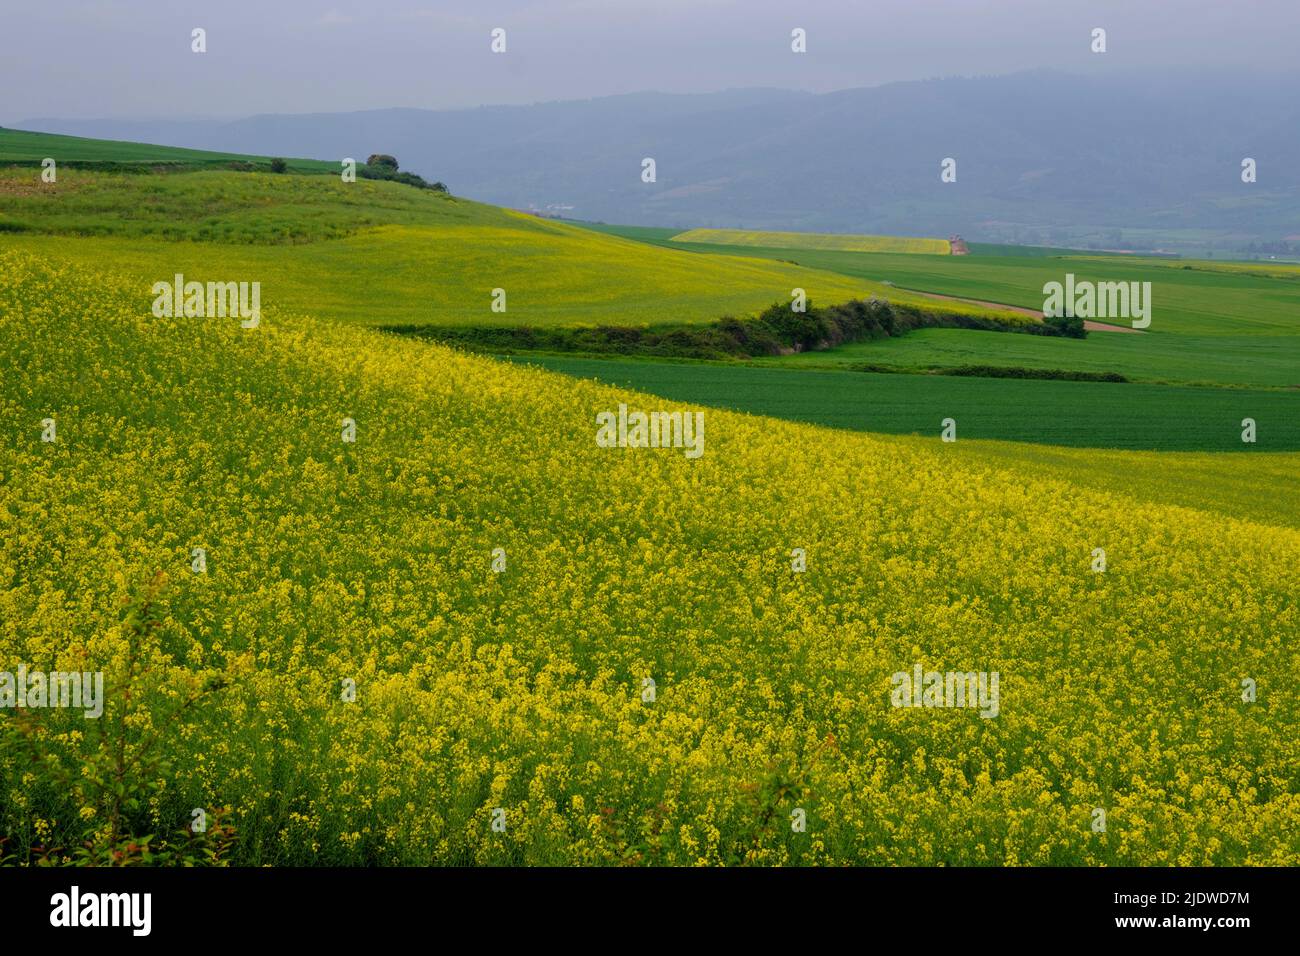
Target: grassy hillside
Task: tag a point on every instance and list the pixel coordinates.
(395, 255)
(813, 240)
(523, 690)
(20, 146)
(219, 206)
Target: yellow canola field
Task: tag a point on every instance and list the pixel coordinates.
(815, 240)
(508, 717)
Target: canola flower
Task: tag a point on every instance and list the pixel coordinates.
(815, 240)
(522, 691)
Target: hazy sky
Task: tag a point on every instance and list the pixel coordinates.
(131, 58)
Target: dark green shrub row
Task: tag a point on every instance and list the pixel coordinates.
(777, 330)
(710, 342)
(999, 371)
(1015, 371)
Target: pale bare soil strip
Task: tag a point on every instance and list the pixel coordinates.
(1088, 324)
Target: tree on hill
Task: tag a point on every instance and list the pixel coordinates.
(383, 166)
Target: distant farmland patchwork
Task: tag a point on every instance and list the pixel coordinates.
(324, 247)
(1214, 324)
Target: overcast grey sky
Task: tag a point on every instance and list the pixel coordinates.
(131, 58)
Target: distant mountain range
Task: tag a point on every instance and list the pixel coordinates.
(1141, 161)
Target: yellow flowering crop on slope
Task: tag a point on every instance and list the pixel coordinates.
(509, 717)
(846, 242)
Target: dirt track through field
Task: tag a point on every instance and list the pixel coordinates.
(1088, 324)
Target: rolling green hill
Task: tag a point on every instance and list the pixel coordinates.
(218, 206)
(383, 253)
(20, 146)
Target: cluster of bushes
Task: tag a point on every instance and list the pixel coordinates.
(383, 166)
(859, 320)
(1070, 326)
(777, 330)
(379, 166)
